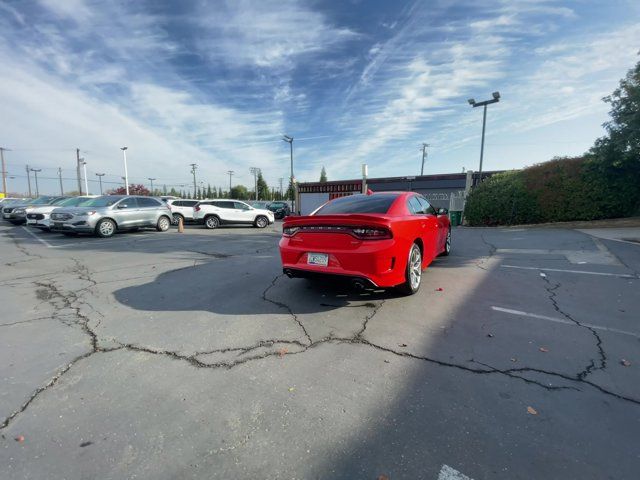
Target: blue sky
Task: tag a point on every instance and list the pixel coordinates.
(217, 83)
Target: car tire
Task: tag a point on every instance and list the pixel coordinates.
(163, 224)
(413, 272)
(261, 221)
(176, 219)
(447, 245)
(106, 228)
(211, 222)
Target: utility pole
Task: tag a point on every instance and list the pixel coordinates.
(255, 171)
(424, 156)
(230, 172)
(280, 180)
(35, 172)
(473, 103)
(4, 171)
(194, 167)
(28, 179)
(151, 180)
(60, 178)
(78, 170)
(100, 175)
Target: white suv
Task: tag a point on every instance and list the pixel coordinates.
(213, 213)
(182, 208)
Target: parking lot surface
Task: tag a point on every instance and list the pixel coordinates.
(167, 355)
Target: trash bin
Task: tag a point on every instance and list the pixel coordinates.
(456, 218)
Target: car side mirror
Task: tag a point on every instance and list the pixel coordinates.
(443, 211)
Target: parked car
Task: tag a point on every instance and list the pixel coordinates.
(39, 217)
(4, 201)
(107, 214)
(259, 204)
(381, 239)
(213, 213)
(17, 213)
(182, 208)
(280, 209)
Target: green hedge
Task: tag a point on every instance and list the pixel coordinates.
(562, 189)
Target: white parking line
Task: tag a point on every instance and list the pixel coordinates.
(448, 473)
(44, 242)
(564, 321)
(621, 275)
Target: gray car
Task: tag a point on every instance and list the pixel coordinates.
(107, 214)
(16, 213)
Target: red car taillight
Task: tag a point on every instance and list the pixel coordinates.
(362, 233)
(369, 233)
(289, 231)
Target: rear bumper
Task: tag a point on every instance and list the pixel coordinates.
(376, 262)
(329, 277)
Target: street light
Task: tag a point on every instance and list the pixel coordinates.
(151, 180)
(126, 173)
(86, 182)
(473, 103)
(35, 172)
(289, 140)
(100, 175)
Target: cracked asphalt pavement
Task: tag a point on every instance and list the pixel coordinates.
(167, 355)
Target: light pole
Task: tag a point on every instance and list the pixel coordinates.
(100, 175)
(35, 172)
(194, 167)
(4, 172)
(126, 173)
(474, 104)
(151, 180)
(86, 182)
(424, 157)
(289, 140)
(60, 178)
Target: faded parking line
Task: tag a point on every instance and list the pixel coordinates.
(564, 321)
(621, 275)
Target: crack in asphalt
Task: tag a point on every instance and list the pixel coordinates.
(284, 306)
(492, 252)
(551, 290)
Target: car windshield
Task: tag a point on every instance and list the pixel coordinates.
(59, 201)
(74, 201)
(41, 201)
(377, 203)
(105, 201)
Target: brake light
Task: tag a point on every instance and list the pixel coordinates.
(369, 233)
(290, 231)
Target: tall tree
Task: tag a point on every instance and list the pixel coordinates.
(263, 188)
(239, 192)
(323, 175)
(209, 193)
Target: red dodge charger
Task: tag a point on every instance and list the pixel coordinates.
(381, 239)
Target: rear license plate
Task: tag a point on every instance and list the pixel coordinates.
(318, 259)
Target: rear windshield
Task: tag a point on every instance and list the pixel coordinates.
(378, 203)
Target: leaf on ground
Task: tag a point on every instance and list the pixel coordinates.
(20, 438)
(625, 362)
(291, 389)
(439, 289)
(402, 344)
(544, 349)
(382, 477)
(532, 411)
(282, 352)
